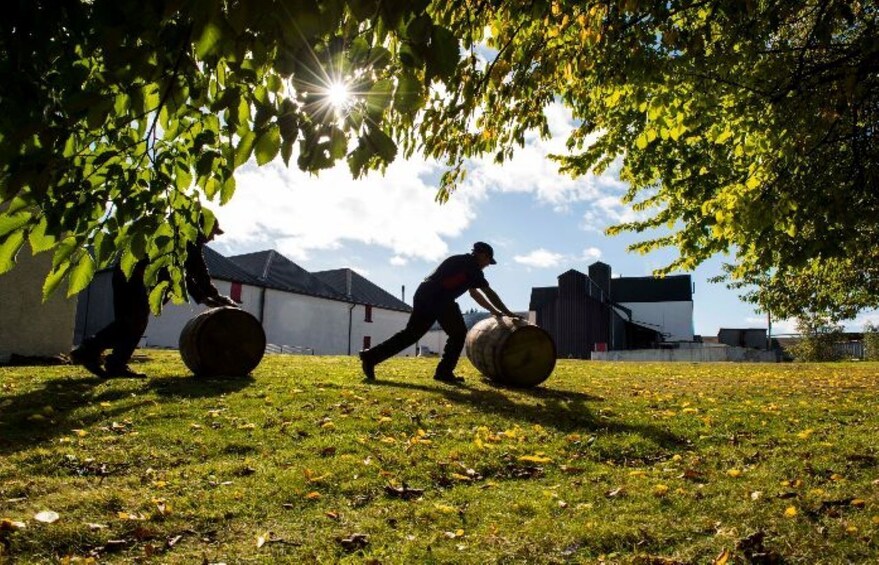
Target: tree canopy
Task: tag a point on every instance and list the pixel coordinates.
(742, 125)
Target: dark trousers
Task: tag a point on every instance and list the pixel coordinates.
(131, 311)
(423, 316)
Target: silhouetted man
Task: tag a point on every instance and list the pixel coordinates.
(434, 301)
(131, 311)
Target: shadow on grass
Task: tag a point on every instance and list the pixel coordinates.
(566, 411)
(38, 416)
(197, 387)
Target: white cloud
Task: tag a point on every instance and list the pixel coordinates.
(591, 253)
(540, 258)
(543, 258)
(298, 214)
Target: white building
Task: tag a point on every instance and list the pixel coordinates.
(328, 313)
(30, 327)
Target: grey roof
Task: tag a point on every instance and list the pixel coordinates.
(361, 290)
(273, 270)
(223, 268)
(651, 289)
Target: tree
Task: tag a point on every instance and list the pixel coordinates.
(818, 334)
(743, 125)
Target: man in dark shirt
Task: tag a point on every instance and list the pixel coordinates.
(434, 301)
(131, 311)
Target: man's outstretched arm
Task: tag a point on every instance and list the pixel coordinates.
(488, 299)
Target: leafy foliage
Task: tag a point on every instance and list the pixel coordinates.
(743, 126)
(871, 342)
(817, 337)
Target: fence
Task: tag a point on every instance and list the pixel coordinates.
(289, 349)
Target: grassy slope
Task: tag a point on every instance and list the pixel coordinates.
(651, 463)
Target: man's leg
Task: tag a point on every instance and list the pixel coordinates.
(419, 322)
(452, 322)
(132, 310)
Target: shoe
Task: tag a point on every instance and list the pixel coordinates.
(90, 360)
(367, 366)
(124, 372)
(448, 378)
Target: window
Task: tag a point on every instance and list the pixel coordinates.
(235, 292)
(367, 342)
(367, 316)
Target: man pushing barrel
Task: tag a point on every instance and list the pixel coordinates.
(434, 301)
(131, 312)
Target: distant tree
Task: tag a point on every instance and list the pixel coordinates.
(871, 342)
(817, 337)
(742, 125)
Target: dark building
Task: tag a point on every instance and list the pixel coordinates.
(595, 312)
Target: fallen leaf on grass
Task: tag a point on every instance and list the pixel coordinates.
(535, 459)
(47, 517)
(354, 542)
(722, 558)
(10, 525)
(620, 491)
(405, 492)
(790, 512)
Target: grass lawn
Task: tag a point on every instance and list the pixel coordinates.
(305, 463)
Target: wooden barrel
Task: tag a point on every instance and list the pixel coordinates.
(511, 352)
(224, 341)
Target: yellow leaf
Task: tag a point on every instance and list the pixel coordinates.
(535, 459)
(858, 503)
(10, 525)
(790, 512)
(660, 490)
(313, 495)
(734, 473)
(80, 433)
(722, 558)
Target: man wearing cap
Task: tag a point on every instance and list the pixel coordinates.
(434, 301)
(131, 312)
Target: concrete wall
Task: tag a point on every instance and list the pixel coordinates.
(673, 319)
(689, 354)
(385, 323)
(27, 325)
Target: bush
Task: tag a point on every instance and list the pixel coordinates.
(871, 342)
(818, 335)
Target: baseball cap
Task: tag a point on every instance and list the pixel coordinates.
(482, 247)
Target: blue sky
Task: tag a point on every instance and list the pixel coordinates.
(389, 228)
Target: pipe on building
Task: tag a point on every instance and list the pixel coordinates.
(350, 323)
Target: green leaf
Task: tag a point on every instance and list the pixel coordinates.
(157, 297)
(10, 223)
(9, 249)
(244, 149)
(444, 54)
(127, 263)
(40, 241)
(211, 33)
(408, 97)
(267, 145)
(183, 178)
(64, 250)
(228, 190)
(81, 275)
(54, 278)
(382, 144)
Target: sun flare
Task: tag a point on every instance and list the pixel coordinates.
(339, 95)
